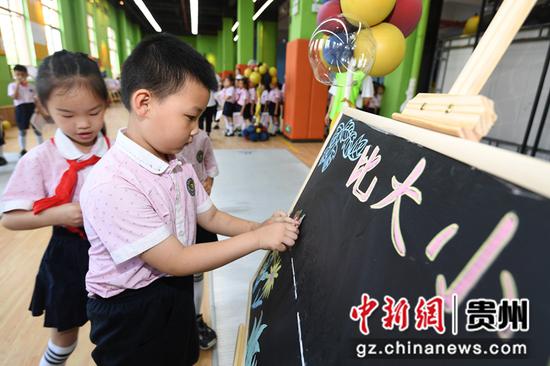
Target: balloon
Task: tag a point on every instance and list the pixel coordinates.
(273, 71)
(328, 10)
(390, 49)
(332, 53)
(369, 12)
(274, 80)
(247, 72)
(6, 125)
(255, 77)
(471, 25)
(406, 15)
(211, 58)
(263, 69)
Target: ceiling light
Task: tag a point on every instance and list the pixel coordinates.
(261, 10)
(194, 10)
(235, 26)
(148, 15)
(236, 38)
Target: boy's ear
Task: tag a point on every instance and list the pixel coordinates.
(141, 102)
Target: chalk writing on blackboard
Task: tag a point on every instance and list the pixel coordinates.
(345, 138)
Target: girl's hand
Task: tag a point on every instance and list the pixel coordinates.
(69, 214)
(276, 236)
(280, 217)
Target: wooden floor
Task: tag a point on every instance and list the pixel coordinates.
(22, 337)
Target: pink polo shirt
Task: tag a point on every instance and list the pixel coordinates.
(38, 172)
(252, 95)
(200, 154)
(229, 94)
(131, 202)
(242, 96)
(274, 95)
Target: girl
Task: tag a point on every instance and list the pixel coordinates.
(243, 103)
(264, 114)
(228, 96)
(44, 191)
(274, 99)
(253, 98)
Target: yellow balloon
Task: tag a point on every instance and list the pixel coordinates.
(273, 71)
(471, 25)
(247, 72)
(390, 49)
(6, 125)
(211, 58)
(274, 80)
(255, 77)
(370, 12)
(263, 69)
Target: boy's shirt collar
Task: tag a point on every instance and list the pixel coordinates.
(141, 156)
(69, 151)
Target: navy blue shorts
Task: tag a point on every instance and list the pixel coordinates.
(23, 114)
(154, 325)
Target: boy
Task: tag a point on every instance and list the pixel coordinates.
(141, 206)
(23, 95)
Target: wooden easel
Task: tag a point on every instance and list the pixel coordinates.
(463, 112)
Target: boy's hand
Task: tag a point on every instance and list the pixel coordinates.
(207, 184)
(277, 236)
(69, 214)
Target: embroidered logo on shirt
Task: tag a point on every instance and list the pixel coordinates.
(191, 186)
(200, 156)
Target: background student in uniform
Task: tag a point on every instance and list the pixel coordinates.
(22, 92)
(200, 154)
(44, 191)
(141, 206)
(228, 97)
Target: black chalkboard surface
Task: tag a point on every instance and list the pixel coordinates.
(386, 216)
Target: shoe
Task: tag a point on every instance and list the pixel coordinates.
(229, 134)
(207, 335)
(216, 127)
(23, 152)
(3, 161)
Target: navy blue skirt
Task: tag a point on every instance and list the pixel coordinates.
(153, 325)
(60, 287)
(228, 109)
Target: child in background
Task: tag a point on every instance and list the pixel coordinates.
(141, 207)
(205, 121)
(228, 97)
(253, 98)
(44, 191)
(243, 107)
(23, 93)
(274, 99)
(264, 100)
(376, 101)
(200, 154)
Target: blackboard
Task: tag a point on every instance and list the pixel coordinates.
(473, 220)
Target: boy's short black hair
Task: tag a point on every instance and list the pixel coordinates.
(20, 68)
(162, 63)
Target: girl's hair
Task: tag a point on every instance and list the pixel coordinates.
(267, 85)
(246, 84)
(231, 79)
(65, 70)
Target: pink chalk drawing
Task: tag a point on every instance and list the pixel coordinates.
(480, 262)
(509, 291)
(364, 165)
(400, 189)
(440, 240)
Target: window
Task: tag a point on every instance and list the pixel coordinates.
(50, 10)
(91, 37)
(14, 32)
(113, 52)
